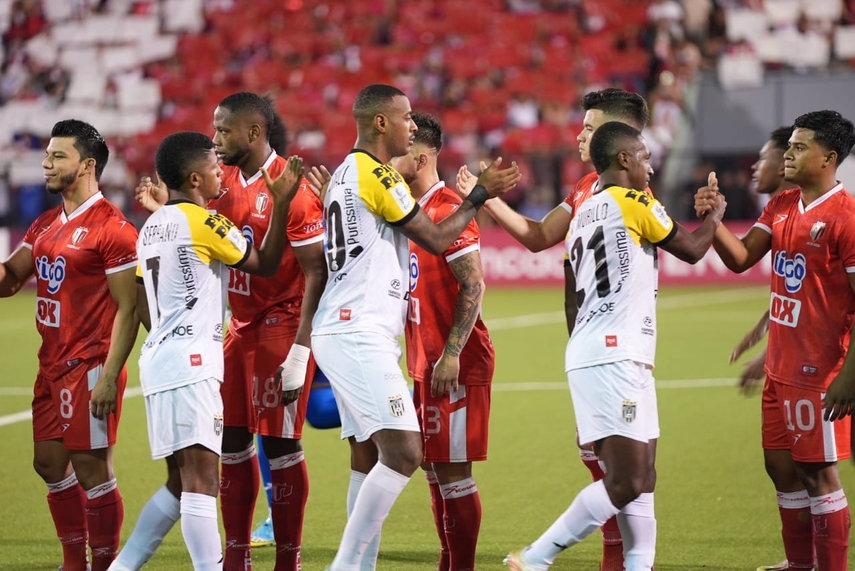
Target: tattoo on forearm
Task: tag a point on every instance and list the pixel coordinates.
(467, 270)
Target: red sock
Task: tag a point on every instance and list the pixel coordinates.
(104, 515)
(239, 483)
(831, 522)
(67, 506)
(436, 506)
(796, 529)
(589, 459)
(290, 492)
(462, 507)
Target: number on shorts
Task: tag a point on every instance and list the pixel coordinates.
(432, 424)
(65, 407)
(270, 394)
(803, 423)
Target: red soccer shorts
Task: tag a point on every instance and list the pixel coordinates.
(455, 427)
(250, 389)
(792, 420)
(61, 409)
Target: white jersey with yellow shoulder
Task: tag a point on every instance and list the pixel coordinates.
(183, 252)
(367, 257)
(611, 248)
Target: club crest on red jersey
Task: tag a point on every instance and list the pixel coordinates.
(261, 202)
(79, 235)
(817, 231)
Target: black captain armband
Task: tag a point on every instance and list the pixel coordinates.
(478, 196)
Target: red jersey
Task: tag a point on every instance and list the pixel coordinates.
(72, 256)
(433, 296)
(256, 301)
(812, 304)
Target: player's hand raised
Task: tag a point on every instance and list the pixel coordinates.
(466, 181)
(284, 188)
(151, 195)
(839, 400)
(104, 397)
(319, 181)
(498, 182)
(705, 197)
(445, 373)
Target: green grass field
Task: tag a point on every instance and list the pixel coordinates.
(715, 505)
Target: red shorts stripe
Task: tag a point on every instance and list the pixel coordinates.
(455, 427)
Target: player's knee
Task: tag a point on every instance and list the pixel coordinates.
(91, 470)
(49, 470)
(404, 458)
(624, 488)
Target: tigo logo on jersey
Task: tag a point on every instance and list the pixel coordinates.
(793, 271)
(344, 315)
(79, 235)
(414, 272)
(817, 231)
(52, 273)
(611, 340)
(47, 312)
(196, 360)
(248, 234)
(784, 310)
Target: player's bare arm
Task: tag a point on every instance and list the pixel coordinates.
(123, 289)
(754, 369)
(151, 194)
(571, 308)
(839, 400)
(142, 307)
(751, 338)
(319, 181)
(16, 271)
(535, 235)
(437, 238)
(692, 246)
(292, 373)
(469, 274)
(265, 261)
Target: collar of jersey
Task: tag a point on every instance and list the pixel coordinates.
(424, 199)
(599, 190)
(367, 153)
(820, 200)
(178, 201)
(82, 208)
(257, 175)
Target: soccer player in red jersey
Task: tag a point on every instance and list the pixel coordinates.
(270, 327)
(600, 107)
(83, 254)
(450, 355)
(810, 371)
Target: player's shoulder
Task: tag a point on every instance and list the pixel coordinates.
(586, 182)
(305, 197)
(629, 196)
(46, 219)
(440, 202)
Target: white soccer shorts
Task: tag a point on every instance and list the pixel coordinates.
(369, 387)
(182, 417)
(614, 399)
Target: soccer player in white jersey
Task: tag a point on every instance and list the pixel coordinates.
(611, 287)
(370, 214)
(184, 254)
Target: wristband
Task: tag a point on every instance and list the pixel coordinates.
(294, 368)
(478, 196)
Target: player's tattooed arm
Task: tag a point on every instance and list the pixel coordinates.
(839, 399)
(16, 272)
(469, 273)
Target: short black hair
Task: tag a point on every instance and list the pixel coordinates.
(605, 144)
(252, 103)
(278, 135)
(618, 104)
(372, 99)
(177, 155)
(830, 129)
(780, 138)
(87, 140)
(430, 131)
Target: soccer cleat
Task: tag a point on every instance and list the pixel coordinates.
(263, 535)
(515, 562)
(782, 566)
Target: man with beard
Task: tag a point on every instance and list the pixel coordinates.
(83, 254)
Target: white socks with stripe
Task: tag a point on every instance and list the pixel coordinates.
(201, 532)
(156, 519)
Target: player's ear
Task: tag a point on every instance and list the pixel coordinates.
(623, 159)
(830, 159)
(254, 132)
(194, 180)
(380, 122)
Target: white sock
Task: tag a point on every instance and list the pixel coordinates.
(201, 532)
(591, 508)
(374, 501)
(369, 559)
(156, 519)
(637, 523)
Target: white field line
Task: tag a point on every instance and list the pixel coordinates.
(529, 320)
(674, 302)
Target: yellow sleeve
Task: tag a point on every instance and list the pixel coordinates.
(645, 217)
(215, 237)
(385, 193)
